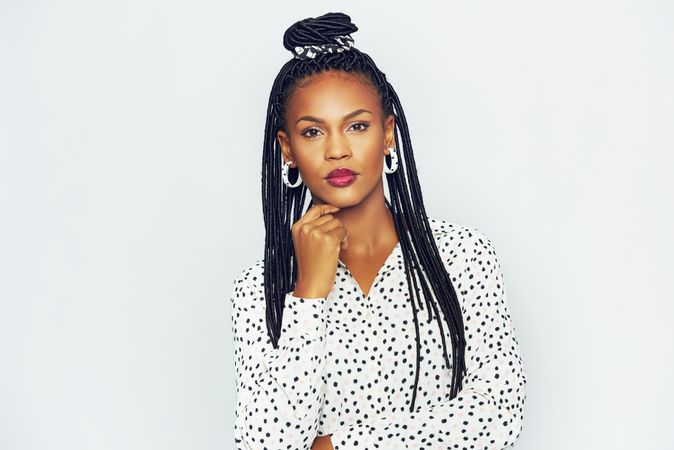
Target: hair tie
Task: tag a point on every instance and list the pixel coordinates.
(310, 51)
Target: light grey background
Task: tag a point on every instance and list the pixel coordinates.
(131, 137)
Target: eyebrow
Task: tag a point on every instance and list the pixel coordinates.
(347, 117)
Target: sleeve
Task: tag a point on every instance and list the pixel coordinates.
(279, 392)
(488, 412)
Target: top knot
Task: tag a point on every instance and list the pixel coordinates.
(329, 33)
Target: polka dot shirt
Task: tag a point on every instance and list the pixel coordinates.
(346, 363)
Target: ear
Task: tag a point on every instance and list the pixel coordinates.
(284, 142)
(389, 132)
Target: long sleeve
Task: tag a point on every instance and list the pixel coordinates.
(278, 391)
(488, 412)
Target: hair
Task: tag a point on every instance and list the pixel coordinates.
(282, 206)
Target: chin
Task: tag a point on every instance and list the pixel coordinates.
(342, 201)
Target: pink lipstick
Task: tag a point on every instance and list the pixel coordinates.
(341, 177)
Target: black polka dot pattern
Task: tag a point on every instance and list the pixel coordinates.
(345, 364)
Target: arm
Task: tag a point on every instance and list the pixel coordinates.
(488, 412)
(279, 391)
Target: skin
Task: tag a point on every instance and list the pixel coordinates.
(358, 143)
(358, 211)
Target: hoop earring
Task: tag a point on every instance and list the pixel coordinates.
(286, 181)
(394, 161)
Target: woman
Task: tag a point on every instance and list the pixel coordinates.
(341, 332)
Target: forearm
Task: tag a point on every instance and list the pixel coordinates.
(279, 391)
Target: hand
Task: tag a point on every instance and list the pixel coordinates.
(322, 443)
(344, 243)
(318, 237)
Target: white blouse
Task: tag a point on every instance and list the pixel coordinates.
(345, 363)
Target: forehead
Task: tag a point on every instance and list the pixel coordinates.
(332, 93)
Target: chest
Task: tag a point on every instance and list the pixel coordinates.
(371, 351)
(363, 274)
(364, 271)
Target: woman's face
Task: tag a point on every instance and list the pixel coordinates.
(334, 121)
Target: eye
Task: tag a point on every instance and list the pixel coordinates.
(306, 132)
(364, 126)
(311, 133)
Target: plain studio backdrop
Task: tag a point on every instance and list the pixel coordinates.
(131, 138)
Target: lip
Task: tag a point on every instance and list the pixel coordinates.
(342, 176)
(341, 172)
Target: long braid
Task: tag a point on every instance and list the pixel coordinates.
(283, 206)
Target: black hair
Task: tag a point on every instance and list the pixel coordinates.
(282, 206)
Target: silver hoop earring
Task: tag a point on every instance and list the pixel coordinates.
(286, 181)
(394, 161)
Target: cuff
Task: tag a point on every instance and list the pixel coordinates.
(303, 317)
(356, 437)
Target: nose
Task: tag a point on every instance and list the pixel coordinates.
(338, 147)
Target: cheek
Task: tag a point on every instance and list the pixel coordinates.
(375, 157)
(312, 166)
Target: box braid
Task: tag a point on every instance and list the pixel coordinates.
(282, 206)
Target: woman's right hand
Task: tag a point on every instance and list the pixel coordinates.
(318, 236)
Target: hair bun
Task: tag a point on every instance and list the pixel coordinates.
(318, 30)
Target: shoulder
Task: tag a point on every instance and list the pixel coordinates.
(453, 231)
(462, 244)
(251, 274)
(459, 245)
(470, 258)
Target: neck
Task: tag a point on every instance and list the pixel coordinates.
(369, 224)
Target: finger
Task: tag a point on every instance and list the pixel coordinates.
(324, 224)
(340, 234)
(319, 222)
(329, 225)
(317, 211)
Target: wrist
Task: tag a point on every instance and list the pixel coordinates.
(305, 290)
